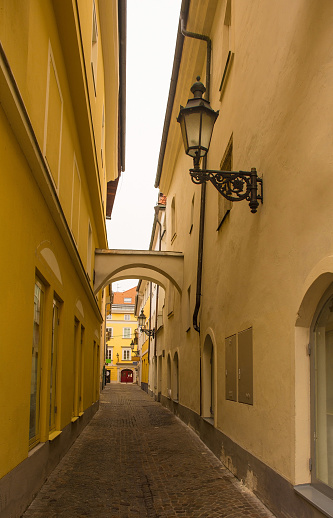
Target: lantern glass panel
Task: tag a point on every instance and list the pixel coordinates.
(142, 319)
(192, 121)
(208, 120)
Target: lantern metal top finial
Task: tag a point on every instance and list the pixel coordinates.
(198, 89)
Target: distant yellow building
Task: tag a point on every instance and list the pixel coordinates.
(121, 361)
(144, 303)
(62, 149)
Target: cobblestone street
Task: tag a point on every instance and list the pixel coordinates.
(136, 459)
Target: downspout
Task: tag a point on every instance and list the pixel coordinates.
(202, 201)
(203, 185)
(150, 297)
(157, 288)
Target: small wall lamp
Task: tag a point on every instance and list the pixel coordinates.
(197, 120)
(142, 324)
(132, 344)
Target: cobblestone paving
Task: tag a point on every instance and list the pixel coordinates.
(136, 459)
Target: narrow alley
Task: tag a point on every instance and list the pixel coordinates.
(136, 459)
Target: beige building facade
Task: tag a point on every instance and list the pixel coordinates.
(235, 361)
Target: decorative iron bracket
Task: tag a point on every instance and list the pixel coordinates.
(149, 332)
(233, 185)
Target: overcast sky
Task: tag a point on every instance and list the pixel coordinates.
(151, 38)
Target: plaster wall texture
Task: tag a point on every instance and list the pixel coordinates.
(52, 185)
(256, 268)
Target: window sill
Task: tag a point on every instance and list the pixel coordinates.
(36, 448)
(81, 414)
(209, 420)
(320, 501)
(53, 435)
(74, 419)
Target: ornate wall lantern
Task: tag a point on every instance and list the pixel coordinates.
(197, 120)
(142, 324)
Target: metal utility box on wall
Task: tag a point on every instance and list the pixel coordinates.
(239, 367)
(231, 368)
(245, 367)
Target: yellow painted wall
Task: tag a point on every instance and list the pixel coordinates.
(50, 189)
(144, 367)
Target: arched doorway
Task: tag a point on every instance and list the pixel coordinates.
(321, 373)
(208, 379)
(175, 378)
(169, 377)
(126, 376)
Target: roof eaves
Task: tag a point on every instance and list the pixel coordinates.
(173, 85)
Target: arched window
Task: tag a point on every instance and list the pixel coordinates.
(175, 378)
(322, 395)
(169, 377)
(208, 379)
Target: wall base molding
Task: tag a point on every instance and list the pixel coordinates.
(19, 487)
(276, 493)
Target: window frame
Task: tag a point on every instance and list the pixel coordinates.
(315, 481)
(130, 333)
(35, 439)
(126, 351)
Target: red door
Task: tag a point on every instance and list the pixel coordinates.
(126, 376)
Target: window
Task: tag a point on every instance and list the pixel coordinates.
(224, 206)
(126, 354)
(75, 408)
(76, 195)
(89, 249)
(109, 333)
(127, 317)
(103, 138)
(126, 332)
(94, 47)
(208, 379)
(227, 47)
(171, 298)
(53, 121)
(173, 219)
(109, 353)
(175, 378)
(53, 374)
(34, 426)
(128, 299)
(322, 397)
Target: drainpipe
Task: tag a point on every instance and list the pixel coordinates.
(150, 297)
(203, 196)
(203, 185)
(157, 288)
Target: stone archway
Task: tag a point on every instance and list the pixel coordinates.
(155, 266)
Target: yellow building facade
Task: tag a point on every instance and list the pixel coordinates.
(145, 343)
(121, 361)
(60, 146)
